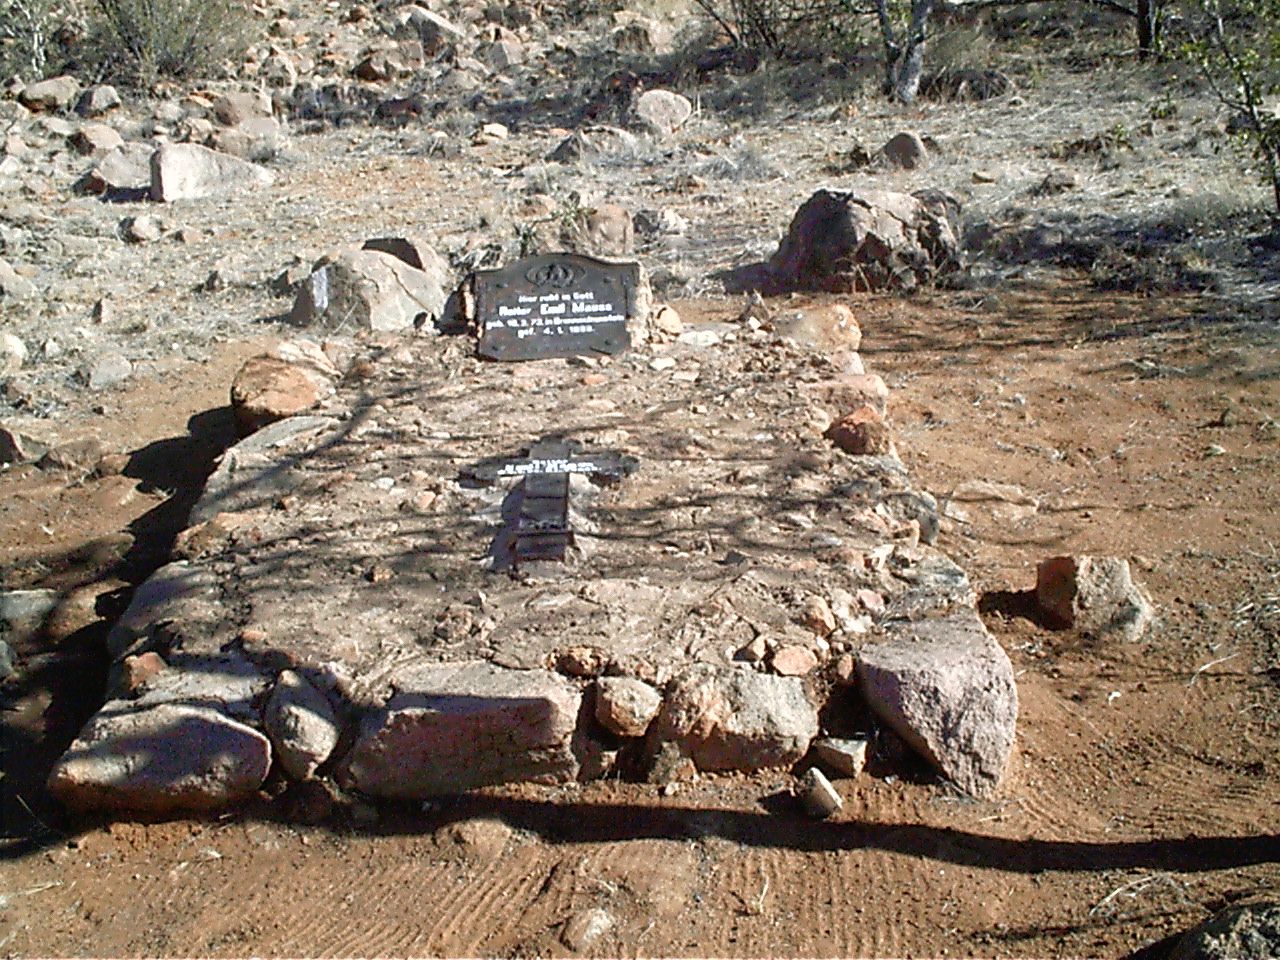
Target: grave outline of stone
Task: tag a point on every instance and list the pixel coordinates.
(555, 305)
(542, 530)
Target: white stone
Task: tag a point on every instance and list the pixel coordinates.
(188, 171)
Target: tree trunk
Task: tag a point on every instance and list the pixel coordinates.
(904, 61)
(1148, 28)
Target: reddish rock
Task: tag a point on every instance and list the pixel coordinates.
(268, 389)
(1094, 595)
(862, 433)
(136, 670)
(818, 617)
(626, 706)
(793, 660)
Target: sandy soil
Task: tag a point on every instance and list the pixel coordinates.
(1141, 796)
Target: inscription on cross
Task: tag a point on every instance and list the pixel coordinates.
(541, 528)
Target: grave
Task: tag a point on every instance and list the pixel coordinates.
(557, 305)
(332, 611)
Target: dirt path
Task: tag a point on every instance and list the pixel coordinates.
(1141, 796)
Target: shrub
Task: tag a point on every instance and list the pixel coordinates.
(27, 28)
(1236, 45)
(148, 40)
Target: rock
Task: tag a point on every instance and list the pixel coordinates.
(666, 322)
(188, 171)
(662, 112)
(840, 241)
(23, 611)
(175, 592)
(603, 231)
(95, 139)
(640, 34)
(174, 757)
(125, 171)
(851, 392)
(233, 109)
(906, 151)
(137, 670)
(16, 447)
(434, 31)
(96, 100)
(793, 660)
(14, 286)
(257, 139)
(817, 795)
(267, 389)
(262, 468)
(110, 370)
(816, 616)
(862, 433)
(143, 229)
(491, 133)
(366, 289)
(848, 758)
(732, 718)
(13, 353)
(1243, 931)
(7, 668)
(302, 725)
(504, 54)
(417, 253)
(829, 328)
(56, 93)
(946, 687)
(481, 838)
(1094, 595)
(626, 706)
(593, 141)
(456, 726)
(75, 456)
(584, 928)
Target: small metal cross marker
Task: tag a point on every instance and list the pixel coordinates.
(542, 530)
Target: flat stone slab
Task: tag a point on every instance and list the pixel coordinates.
(351, 548)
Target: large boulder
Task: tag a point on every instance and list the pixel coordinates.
(1094, 595)
(452, 727)
(840, 241)
(188, 171)
(371, 290)
(173, 757)
(732, 718)
(946, 687)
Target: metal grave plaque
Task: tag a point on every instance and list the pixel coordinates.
(541, 528)
(555, 305)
